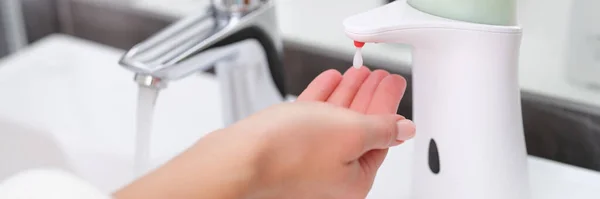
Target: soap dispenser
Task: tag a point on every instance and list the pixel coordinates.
(469, 142)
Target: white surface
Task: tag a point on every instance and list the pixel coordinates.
(69, 104)
(543, 52)
(48, 184)
(466, 71)
(583, 54)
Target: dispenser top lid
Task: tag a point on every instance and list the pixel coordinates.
(400, 15)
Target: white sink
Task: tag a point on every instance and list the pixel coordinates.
(66, 103)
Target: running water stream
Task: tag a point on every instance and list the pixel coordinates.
(145, 114)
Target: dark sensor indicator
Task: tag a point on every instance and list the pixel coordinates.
(434, 157)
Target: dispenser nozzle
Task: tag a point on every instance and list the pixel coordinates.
(359, 44)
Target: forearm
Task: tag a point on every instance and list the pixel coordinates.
(215, 167)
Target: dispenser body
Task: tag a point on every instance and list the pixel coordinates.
(469, 141)
(467, 109)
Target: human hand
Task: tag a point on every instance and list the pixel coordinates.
(316, 150)
(326, 152)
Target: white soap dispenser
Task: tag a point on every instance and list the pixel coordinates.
(469, 142)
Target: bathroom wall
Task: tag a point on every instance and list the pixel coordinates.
(3, 43)
(95, 20)
(8, 25)
(41, 18)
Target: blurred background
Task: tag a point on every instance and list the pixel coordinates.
(559, 66)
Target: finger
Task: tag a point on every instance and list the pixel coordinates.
(321, 87)
(346, 90)
(386, 131)
(385, 100)
(387, 96)
(371, 160)
(365, 93)
(380, 139)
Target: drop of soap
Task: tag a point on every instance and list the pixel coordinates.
(358, 60)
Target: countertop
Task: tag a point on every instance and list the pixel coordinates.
(317, 25)
(74, 91)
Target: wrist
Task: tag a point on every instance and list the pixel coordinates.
(218, 166)
(229, 163)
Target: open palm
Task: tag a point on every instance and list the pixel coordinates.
(361, 90)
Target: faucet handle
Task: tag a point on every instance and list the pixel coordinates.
(236, 6)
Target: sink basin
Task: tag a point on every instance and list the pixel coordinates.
(66, 103)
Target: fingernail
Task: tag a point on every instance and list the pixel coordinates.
(406, 130)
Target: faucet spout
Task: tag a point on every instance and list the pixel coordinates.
(149, 81)
(239, 39)
(186, 46)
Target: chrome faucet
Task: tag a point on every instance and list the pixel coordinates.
(220, 37)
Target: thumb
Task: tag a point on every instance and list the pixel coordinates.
(387, 131)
